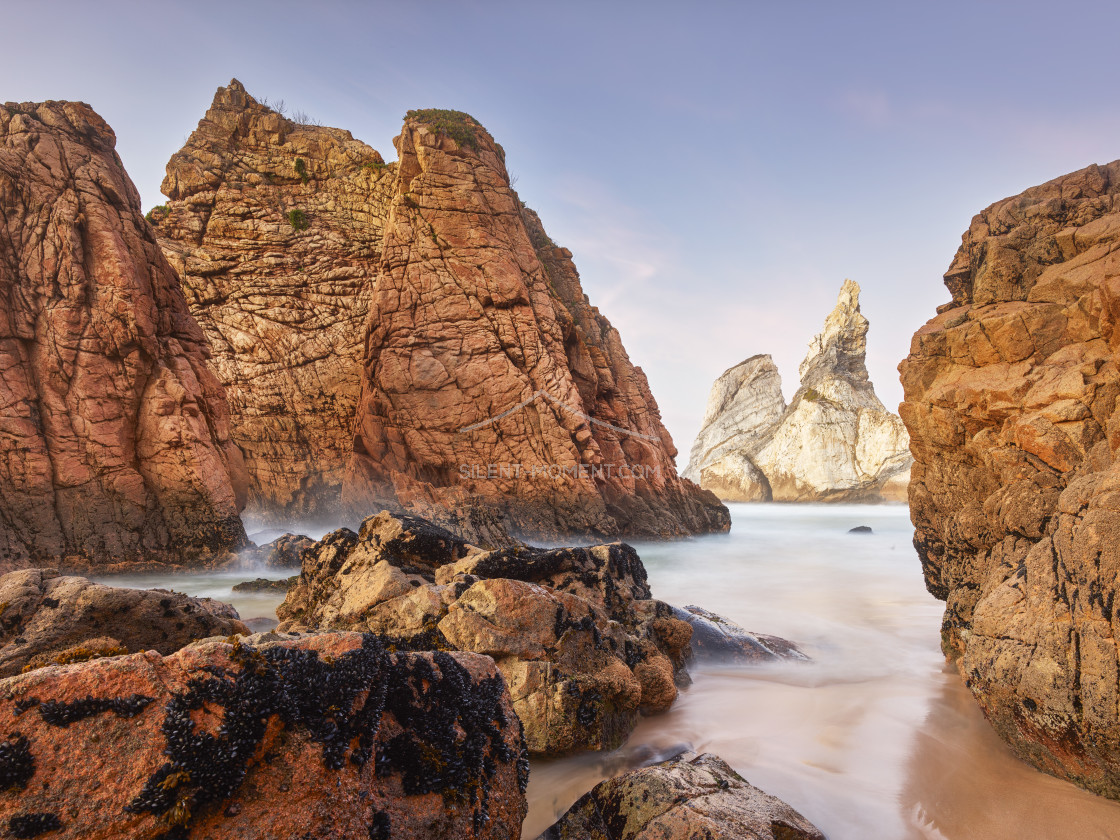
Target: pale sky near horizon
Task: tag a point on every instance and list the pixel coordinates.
(717, 168)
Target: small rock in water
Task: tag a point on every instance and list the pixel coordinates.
(266, 585)
(861, 529)
(715, 637)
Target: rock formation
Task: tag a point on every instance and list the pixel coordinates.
(488, 374)
(834, 442)
(47, 618)
(290, 236)
(324, 736)
(114, 433)
(1010, 398)
(275, 228)
(717, 638)
(574, 631)
(690, 797)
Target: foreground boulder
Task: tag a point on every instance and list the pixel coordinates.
(834, 442)
(324, 737)
(1010, 400)
(575, 632)
(47, 618)
(690, 797)
(114, 442)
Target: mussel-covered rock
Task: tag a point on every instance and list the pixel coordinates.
(47, 618)
(577, 636)
(326, 736)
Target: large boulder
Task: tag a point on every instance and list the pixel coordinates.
(1010, 401)
(48, 618)
(834, 442)
(327, 736)
(114, 433)
(690, 797)
(575, 632)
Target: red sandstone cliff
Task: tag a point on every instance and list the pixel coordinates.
(114, 433)
(1010, 402)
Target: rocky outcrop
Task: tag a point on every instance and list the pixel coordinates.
(47, 618)
(488, 376)
(834, 442)
(115, 443)
(275, 228)
(575, 632)
(327, 736)
(290, 237)
(1010, 398)
(717, 638)
(690, 797)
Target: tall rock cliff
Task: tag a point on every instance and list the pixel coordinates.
(1011, 406)
(114, 433)
(489, 377)
(835, 441)
(275, 228)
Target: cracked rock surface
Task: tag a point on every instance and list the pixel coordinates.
(114, 433)
(1010, 401)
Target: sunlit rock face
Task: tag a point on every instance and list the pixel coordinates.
(1010, 396)
(489, 378)
(835, 441)
(115, 445)
(275, 228)
(375, 325)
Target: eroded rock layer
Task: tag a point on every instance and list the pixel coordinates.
(275, 228)
(489, 377)
(114, 433)
(581, 643)
(1010, 398)
(326, 736)
(834, 442)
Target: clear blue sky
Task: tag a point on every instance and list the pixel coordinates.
(717, 168)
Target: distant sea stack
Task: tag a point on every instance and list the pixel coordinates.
(1010, 400)
(114, 434)
(834, 442)
(482, 379)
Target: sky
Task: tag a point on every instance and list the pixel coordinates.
(718, 169)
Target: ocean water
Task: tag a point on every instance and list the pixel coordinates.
(875, 739)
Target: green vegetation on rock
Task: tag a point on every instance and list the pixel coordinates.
(460, 127)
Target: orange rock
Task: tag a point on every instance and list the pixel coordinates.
(1010, 398)
(326, 736)
(115, 443)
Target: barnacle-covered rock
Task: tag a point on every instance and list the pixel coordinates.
(577, 636)
(690, 797)
(47, 619)
(324, 736)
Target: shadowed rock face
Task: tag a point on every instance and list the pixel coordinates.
(49, 618)
(690, 797)
(477, 312)
(581, 643)
(275, 228)
(114, 433)
(834, 442)
(1010, 404)
(322, 736)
